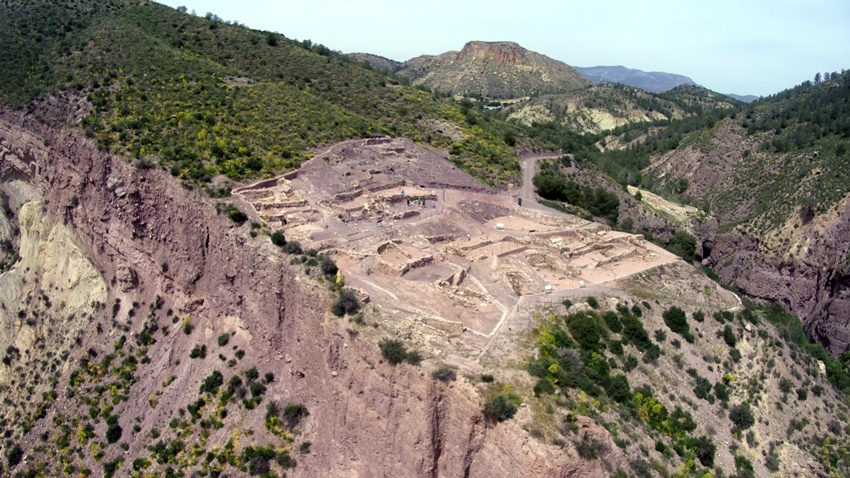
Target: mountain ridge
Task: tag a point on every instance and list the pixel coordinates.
(653, 81)
(497, 70)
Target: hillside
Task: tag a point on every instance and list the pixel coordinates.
(773, 175)
(377, 61)
(698, 100)
(202, 97)
(653, 81)
(224, 253)
(494, 70)
(595, 109)
(227, 358)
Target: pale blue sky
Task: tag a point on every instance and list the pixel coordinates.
(746, 47)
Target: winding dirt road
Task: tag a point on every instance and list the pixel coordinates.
(526, 192)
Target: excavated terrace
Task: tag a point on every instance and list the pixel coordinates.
(435, 249)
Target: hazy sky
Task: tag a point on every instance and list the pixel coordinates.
(731, 46)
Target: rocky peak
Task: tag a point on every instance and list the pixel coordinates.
(503, 52)
(493, 70)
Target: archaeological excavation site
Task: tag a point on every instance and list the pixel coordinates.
(439, 253)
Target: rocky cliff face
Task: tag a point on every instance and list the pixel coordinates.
(498, 70)
(763, 242)
(811, 278)
(162, 246)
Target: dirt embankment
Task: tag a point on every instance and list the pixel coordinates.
(149, 236)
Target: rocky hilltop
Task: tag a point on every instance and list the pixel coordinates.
(106, 249)
(497, 70)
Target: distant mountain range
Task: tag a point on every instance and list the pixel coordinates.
(744, 98)
(653, 81)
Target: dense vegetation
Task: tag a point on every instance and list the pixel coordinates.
(203, 97)
(552, 184)
(585, 363)
(576, 352)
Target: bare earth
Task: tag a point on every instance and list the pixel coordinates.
(459, 258)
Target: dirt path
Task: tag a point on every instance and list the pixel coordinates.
(526, 192)
(558, 296)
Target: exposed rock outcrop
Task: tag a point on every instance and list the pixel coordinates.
(493, 69)
(156, 238)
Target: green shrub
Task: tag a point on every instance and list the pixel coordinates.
(500, 408)
(653, 352)
(346, 303)
(744, 467)
(705, 450)
(721, 391)
(236, 215)
(683, 245)
(487, 378)
(292, 247)
(113, 432)
(328, 267)
(257, 389)
(729, 336)
(14, 455)
(198, 352)
(444, 374)
(634, 333)
(212, 382)
(742, 416)
(110, 467)
(613, 321)
(618, 389)
(703, 390)
(586, 329)
(294, 413)
(543, 386)
(223, 339)
(395, 352)
(771, 462)
(616, 347)
(676, 320)
(589, 448)
(699, 316)
(592, 302)
(140, 464)
(278, 238)
(735, 355)
(304, 448)
(596, 200)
